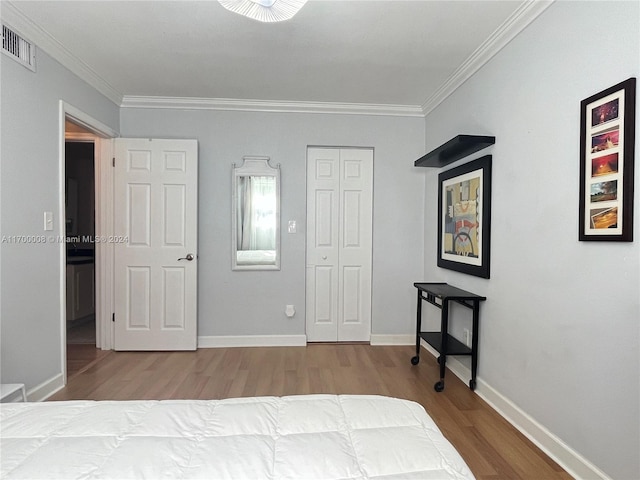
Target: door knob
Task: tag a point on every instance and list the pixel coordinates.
(188, 257)
(324, 257)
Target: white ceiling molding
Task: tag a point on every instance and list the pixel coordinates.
(516, 23)
(182, 103)
(44, 41)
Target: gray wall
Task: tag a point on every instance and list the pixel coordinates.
(30, 277)
(560, 330)
(560, 327)
(252, 303)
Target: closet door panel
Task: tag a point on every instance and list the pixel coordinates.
(339, 240)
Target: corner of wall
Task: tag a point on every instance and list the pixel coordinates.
(46, 389)
(574, 463)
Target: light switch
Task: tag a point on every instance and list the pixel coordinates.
(48, 221)
(292, 226)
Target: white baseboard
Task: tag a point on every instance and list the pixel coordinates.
(382, 339)
(288, 340)
(46, 389)
(225, 341)
(574, 463)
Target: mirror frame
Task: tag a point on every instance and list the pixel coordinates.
(253, 166)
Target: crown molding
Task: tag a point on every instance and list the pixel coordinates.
(528, 11)
(232, 104)
(42, 39)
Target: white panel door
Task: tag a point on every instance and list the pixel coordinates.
(323, 211)
(339, 244)
(156, 244)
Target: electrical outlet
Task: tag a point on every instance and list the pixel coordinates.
(467, 337)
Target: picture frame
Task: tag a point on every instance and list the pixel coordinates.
(607, 145)
(464, 218)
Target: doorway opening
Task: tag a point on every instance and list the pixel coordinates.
(80, 255)
(78, 127)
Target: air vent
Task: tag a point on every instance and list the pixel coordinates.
(18, 48)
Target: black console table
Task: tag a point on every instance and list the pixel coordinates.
(444, 343)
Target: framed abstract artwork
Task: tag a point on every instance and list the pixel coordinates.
(464, 217)
(607, 137)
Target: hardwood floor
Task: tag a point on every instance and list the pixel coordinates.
(81, 356)
(492, 448)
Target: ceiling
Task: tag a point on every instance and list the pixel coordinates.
(351, 52)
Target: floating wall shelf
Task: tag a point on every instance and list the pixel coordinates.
(455, 149)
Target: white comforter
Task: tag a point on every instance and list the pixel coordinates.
(296, 437)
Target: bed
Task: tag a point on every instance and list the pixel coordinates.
(296, 437)
(256, 257)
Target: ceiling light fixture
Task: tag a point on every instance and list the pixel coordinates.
(264, 10)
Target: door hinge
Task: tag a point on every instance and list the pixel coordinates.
(113, 317)
(113, 162)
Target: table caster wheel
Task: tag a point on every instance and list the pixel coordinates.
(439, 386)
(415, 360)
(472, 384)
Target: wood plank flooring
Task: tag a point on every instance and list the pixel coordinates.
(80, 356)
(492, 448)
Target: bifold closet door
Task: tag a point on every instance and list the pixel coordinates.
(339, 244)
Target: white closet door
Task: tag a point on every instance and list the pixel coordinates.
(339, 244)
(355, 232)
(323, 212)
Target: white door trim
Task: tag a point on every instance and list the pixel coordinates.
(86, 121)
(102, 135)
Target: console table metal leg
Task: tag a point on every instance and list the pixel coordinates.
(474, 345)
(442, 359)
(415, 360)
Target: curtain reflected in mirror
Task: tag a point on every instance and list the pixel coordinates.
(256, 215)
(256, 220)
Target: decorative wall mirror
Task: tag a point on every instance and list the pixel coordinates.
(255, 215)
